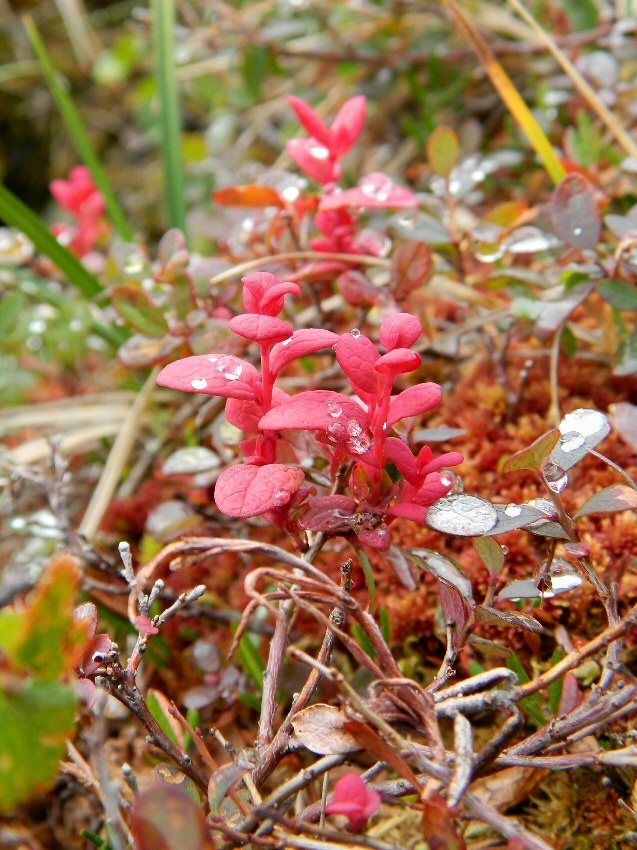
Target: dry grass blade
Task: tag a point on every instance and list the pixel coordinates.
(588, 93)
(509, 94)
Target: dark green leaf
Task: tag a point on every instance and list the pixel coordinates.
(619, 294)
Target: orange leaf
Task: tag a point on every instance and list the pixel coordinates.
(251, 195)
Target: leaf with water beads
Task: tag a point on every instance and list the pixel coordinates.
(581, 431)
(211, 374)
(463, 515)
(491, 616)
(610, 500)
(313, 410)
(247, 490)
(514, 516)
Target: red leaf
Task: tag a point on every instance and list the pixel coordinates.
(251, 195)
(315, 159)
(331, 513)
(414, 401)
(355, 800)
(438, 826)
(211, 374)
(246, 490)
(261, 328)
(357, 289)
(348, 125)
(453, 605)
(400, 330)
(264, 292)
(302, 342)
(408, 510)
(314, 410)
(403, 457)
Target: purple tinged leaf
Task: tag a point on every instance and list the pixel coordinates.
(443, 568)
(411, 266)
(401, 566)
(331, 513)
(453, 605)
(514, 516)
(618, 497)
(535, 455)
(212, 374)
(414, 401)
(247, 490)
(492, 616)
(574, 212)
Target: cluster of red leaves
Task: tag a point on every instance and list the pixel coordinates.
(80, 197)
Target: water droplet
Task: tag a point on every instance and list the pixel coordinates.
(287, 341)
(280, 498)
(290, 194)
(356, 333)
(378, 190)
(336, 432)
(318, 151)
(513, 510)
(571, 441)
(577, 231)
(212, 359)
(465, 515)
(359, 445)
(586, 422)
(555, 477)
(354, 428)
(230, 367)
(446, 480)
(505, 550)
(199, 383)
(134, 264)
(334, 408)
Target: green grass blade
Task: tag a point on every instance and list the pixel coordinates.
(77, 131)
(17, 214)
(163, 12)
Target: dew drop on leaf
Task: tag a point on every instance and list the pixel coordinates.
(336, 432)
(555, 477)
(334, 408)
(230, 367)
(513, 510)
(356, 333)
(571, 441)
(585, 422)
(199, 383)
(354, 428)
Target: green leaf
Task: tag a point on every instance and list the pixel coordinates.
(535, 455)
(17, 214)
(252, 660)
(369, 577)
(12, 305)
(610, 500)
(491, 553)
(163, 25)
(50, 639)
(532, 705)
(584, 14)
(619, 294)
(36, 717)
(138, 311)
(158, 707)
(77, 131)
(443, 148)
(556, 688)
(626, 359)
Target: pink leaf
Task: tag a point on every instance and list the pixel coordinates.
(315, 159)
(247, 490)
(311, 120)
(403, 457)
(246, 413)
(448, 459)
(398, 362)
(400, 330)
(432, 490)
(331, 513)
(355, 800)
(264, 292)
(376, 191)
(145, 625)
(356, 356)
(314, 410)
(408, 510)
(302, 342)
(348, 125)
(414, 401)
(211, 374)
(261, 328)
